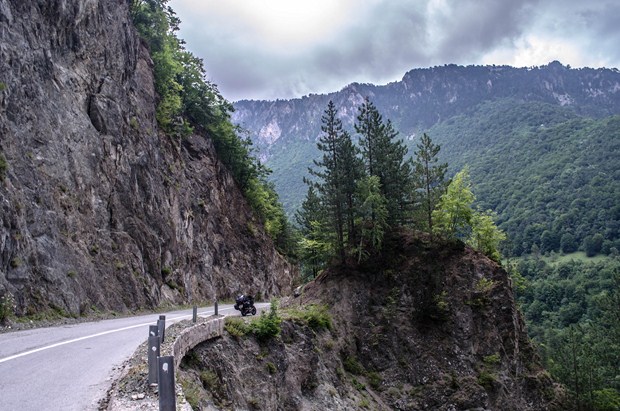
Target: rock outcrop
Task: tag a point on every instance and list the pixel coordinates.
(98, 209)
(425, 327)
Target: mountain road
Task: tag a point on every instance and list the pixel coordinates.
(71, 367)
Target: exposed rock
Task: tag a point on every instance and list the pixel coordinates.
(98, 209)
(424, 328)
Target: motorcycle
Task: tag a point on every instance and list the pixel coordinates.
(245, 304)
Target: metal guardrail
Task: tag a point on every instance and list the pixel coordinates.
(163, 363)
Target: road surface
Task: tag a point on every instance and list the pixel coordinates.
(71, 367)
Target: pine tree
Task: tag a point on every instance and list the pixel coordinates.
(384, 157)
(395, 174)
(315, 246)
(351, 170)
(369, 126)
(430, 176)
(372, 215)
(330, 176)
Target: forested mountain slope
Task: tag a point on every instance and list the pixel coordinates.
(540, 142)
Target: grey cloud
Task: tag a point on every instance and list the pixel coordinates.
(396, 36)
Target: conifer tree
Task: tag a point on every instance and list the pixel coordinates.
(351, 171)
(369, 126)
(372, 215)
(384, 157)
(394, 174)
(429, 176)
(315, 245)
(329, 183)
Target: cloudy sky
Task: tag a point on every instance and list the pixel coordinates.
(268, 49)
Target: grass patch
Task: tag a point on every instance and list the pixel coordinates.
(314, 316)
(265, 327)
(556, 259)
(236, 326)
(374, 380)
(209, 380)
(486, 379)
(493, 359)
(358, 385)
(192, 392)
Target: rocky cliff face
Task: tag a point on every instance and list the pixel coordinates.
(425, 327)
(98, 209)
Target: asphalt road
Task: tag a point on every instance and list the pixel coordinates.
(71, 367)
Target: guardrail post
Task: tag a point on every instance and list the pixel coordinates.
(215, 308)
(161, 327)
(194, 314)
(167, 397)
(153, 355)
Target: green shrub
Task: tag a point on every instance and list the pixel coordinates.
(353, 366)
(358, 385)
(493, 359)
(486, 379)
(16, 262)
(375, 380)
(192, 392)
(485, 285)
(271, 368)
(209, 380)
(314, 316)
(607, 399)
(7, 307)
(3, 167)
(268, 325)
(2, 86)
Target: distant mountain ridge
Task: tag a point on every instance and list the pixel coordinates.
(510, 125)
(425, 97)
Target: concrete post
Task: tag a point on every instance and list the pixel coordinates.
(194, 314)
(167, 397)
(153, 355)
(161, 327)
(215, 307)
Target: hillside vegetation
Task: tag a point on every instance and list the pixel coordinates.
(540, 143)
(552, 176)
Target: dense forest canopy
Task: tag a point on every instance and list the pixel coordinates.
(551, 175)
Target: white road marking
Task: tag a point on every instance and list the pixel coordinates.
(47, 347)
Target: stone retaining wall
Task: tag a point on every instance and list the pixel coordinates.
(191, 337)
(131, 391)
